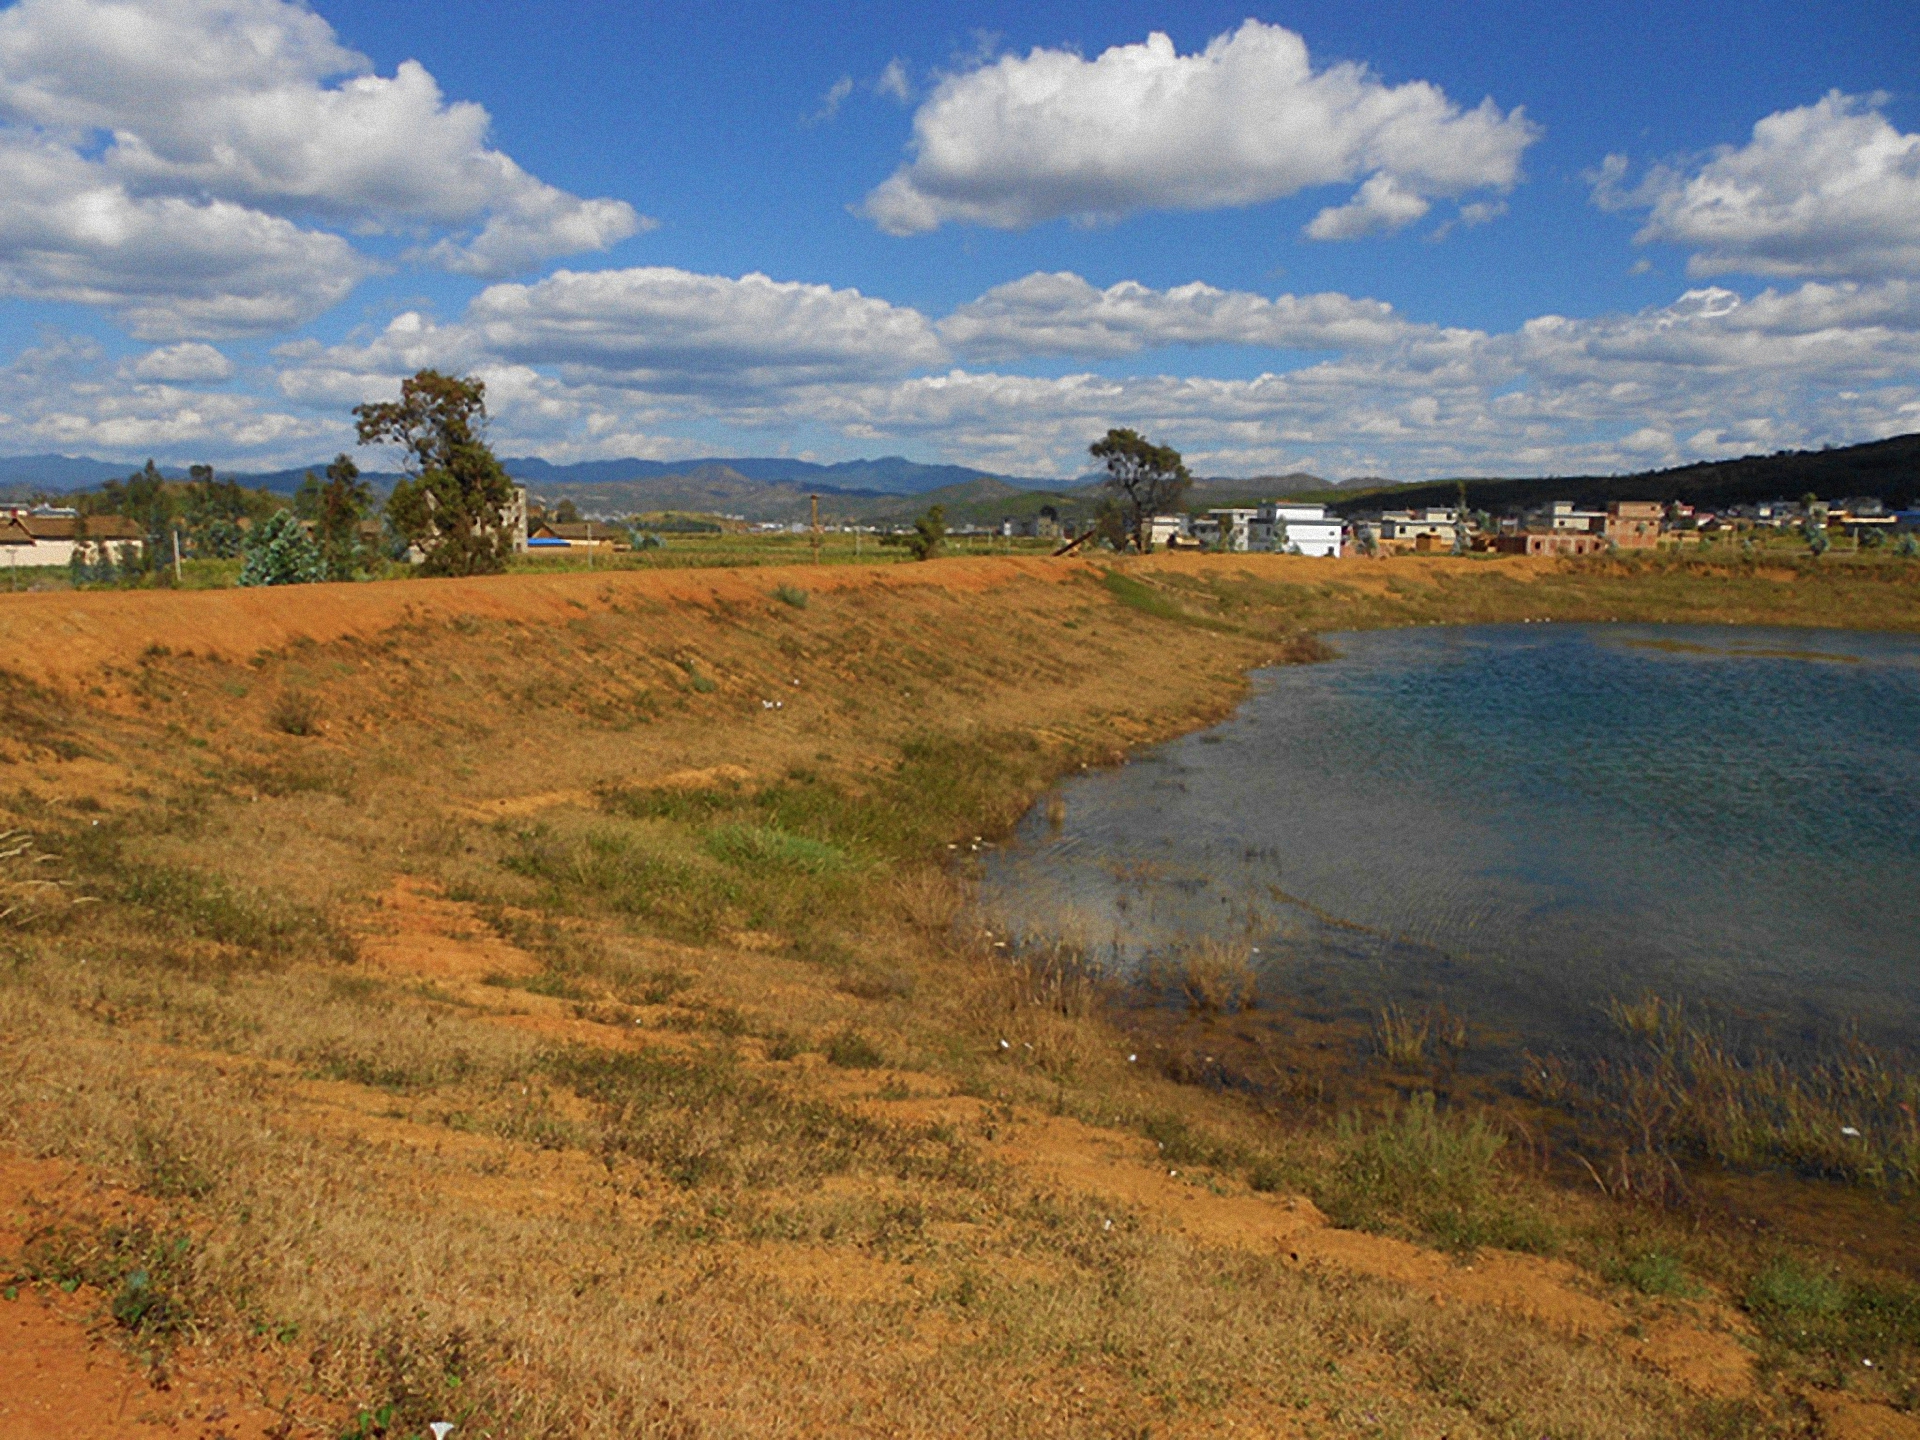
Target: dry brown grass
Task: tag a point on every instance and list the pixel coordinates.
(627, 1191)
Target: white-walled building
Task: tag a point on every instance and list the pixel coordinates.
(37, 538)
(1161, 530)
(1295, 530)
(1408, 527)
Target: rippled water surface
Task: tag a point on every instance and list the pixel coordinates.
(1523, 820)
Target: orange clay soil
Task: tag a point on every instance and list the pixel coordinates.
(66, 637)
(64, 1377)
(451, 712)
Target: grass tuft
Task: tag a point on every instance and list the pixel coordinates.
(851, 1050)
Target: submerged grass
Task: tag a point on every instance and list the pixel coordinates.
(1686, 1085)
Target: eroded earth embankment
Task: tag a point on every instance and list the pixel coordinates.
(550, 1004)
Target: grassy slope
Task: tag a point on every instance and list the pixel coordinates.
(557, 1037)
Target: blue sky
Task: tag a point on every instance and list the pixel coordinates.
(1396, 239)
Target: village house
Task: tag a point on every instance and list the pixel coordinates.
(1295, 529)
(573, 535)
(1427, 529)
(1224, 529)
(1550, 542)
(40, 538)
(1564, 516)
(1164, 530)
(1633, 524)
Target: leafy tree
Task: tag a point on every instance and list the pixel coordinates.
(145, 498)
(1110, 524)
(1146, 478)
(335, 510)
(1908, 546)
(1815, 535)
(929, 531)
(566, 513)
(453, 503)
(280, 553)
(211, 511)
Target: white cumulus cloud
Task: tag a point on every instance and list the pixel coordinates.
(1380, 204)
(662, 362)
(1828, 189)
(658, 323)
(66, 395)
(1062, 314)
(179, 161)
(167, 266)
(1026, 139)
(184, 364)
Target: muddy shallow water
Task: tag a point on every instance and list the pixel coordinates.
(1521, 821)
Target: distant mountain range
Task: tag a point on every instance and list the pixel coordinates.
(890, 474)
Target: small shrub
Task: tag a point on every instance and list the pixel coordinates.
(1266, 1176)
(148, 1274)
(1657, 1273)
(783, 1046)
(1180, 1144)
(1216, 977)
(1435, 1171)
(296, 713)
(791, 595)
(851, 1050)
(697, 680)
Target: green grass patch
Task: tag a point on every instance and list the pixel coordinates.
(1136, 595)
(761, 847)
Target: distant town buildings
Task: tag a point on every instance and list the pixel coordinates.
(49, 535)
(1277, 527)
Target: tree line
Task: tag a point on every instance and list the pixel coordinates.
(452, 510)
(454, 505)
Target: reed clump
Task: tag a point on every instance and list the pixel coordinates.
(1401, 1036)
(1037, 1003)
(1688, 1087)
(1210, 976)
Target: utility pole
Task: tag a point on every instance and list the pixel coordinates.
(816, 527)
(589, 545)
(177, 581)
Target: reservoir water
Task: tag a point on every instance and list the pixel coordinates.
(1521, 821)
